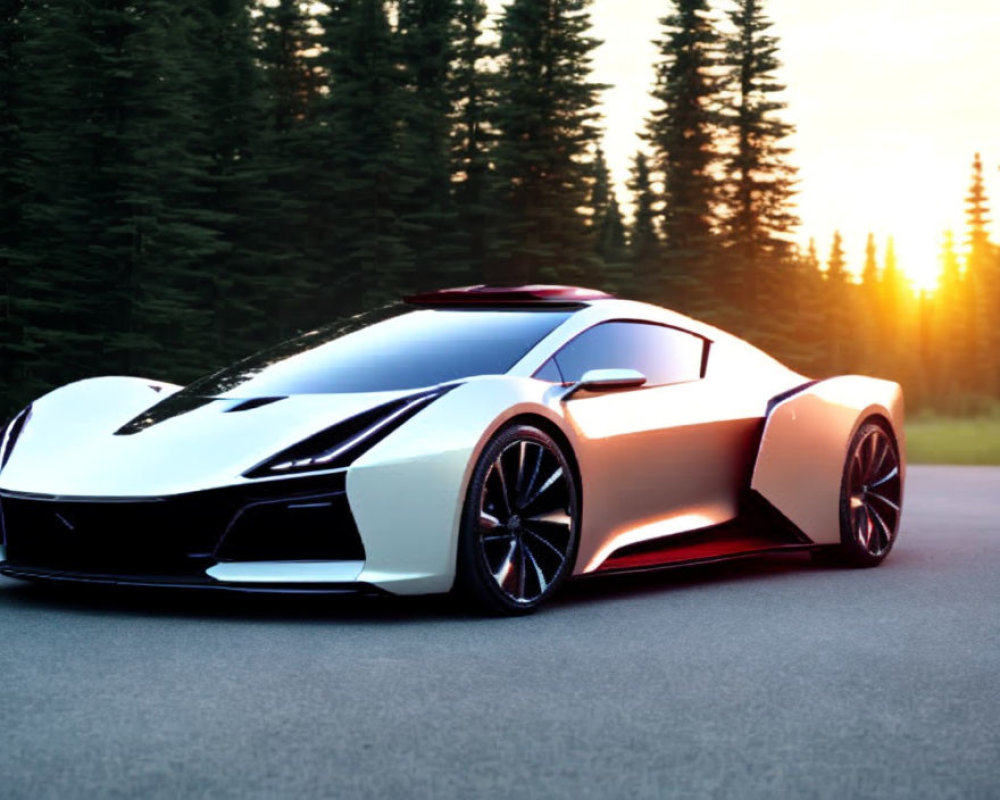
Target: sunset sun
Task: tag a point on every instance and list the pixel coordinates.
(884, 138)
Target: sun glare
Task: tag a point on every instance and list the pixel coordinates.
(884, 142)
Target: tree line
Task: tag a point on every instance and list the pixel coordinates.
(185, 181)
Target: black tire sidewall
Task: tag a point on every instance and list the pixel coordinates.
(472, 577)
(851, 550)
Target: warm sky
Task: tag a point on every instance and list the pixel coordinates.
(891, 98)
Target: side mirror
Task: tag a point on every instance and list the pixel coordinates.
(606, 380)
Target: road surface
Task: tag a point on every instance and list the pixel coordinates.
(761, 679)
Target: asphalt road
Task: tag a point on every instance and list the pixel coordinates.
(761, 679)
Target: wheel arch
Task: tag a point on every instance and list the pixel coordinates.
(548, 426)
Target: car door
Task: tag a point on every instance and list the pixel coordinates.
(655, 460)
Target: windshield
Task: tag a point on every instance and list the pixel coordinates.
(392, 349)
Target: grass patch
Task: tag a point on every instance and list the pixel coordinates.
(943, 440)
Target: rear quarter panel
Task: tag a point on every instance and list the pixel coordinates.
(800, 465)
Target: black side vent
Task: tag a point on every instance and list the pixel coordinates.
(341, 444)
(10, 434)
(173, 406)
(250, 405)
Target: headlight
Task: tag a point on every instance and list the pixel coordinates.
(10, 433)
(342, 443)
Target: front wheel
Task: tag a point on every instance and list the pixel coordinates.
(518, 539)
(871, 497)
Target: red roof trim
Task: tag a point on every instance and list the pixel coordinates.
(507, 295)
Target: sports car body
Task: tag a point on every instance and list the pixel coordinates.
(492, 440)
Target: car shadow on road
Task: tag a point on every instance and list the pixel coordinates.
(364, 609)
(220, 605)
(666, 579)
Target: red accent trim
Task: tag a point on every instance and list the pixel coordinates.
(688, 547)
(505, 295)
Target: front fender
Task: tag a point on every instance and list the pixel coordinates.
(407, 493)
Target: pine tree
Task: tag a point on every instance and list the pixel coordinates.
(894, 320)
(758, 218)
(805, 348)
(429, 223)
(355, 213)
(293, 264)
(546, 129)
(977, 212)
(839, 318)
(13, 187)
(228, 86)
(893, 290)
(607, 230)
(123, 199)
(680, 132)
(643, 242)
(473, 90)
(285, 42)
(952, 362)
(983, 286)
(868, 327)
(869, 274)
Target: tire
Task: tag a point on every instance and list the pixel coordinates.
(870, 497)
(518, 539)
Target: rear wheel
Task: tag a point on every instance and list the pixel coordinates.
(518, 539)
(870, 497)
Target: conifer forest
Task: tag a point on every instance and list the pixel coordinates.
(183, 182)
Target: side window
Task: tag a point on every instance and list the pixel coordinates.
(664, 355)
(549, 372)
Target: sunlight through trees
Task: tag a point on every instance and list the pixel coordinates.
(184, 182)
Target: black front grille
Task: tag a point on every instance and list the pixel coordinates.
(302, 519)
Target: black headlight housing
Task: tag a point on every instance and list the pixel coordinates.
(10, 433)
(339, 445)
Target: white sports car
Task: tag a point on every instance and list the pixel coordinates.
(494, 441)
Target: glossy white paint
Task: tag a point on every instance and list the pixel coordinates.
(265, 572)
(69, 447)
(654, 461)
(407, 493)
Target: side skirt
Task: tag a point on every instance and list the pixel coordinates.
(760, 529)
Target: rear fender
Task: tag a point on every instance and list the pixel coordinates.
(800, 464)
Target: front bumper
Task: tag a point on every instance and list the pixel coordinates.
(290, 535)
(55, 577)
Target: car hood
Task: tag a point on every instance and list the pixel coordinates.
(95, 438)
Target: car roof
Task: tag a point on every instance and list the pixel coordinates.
(529, 295)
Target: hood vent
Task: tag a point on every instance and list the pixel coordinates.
(172, 406)
(250, 405)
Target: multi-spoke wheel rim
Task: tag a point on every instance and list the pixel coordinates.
(526, 522)
(874, 492)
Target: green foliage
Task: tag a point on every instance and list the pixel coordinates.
(950, 440)
(472, 88)
(607, 229)
(13, 189)
(681, 132)
(759, 187)
(546, 132)
(363, 182)
(426, 34)
(184, 181)
(643, 240)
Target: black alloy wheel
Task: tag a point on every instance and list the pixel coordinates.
(519, 530)
(871, 496)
